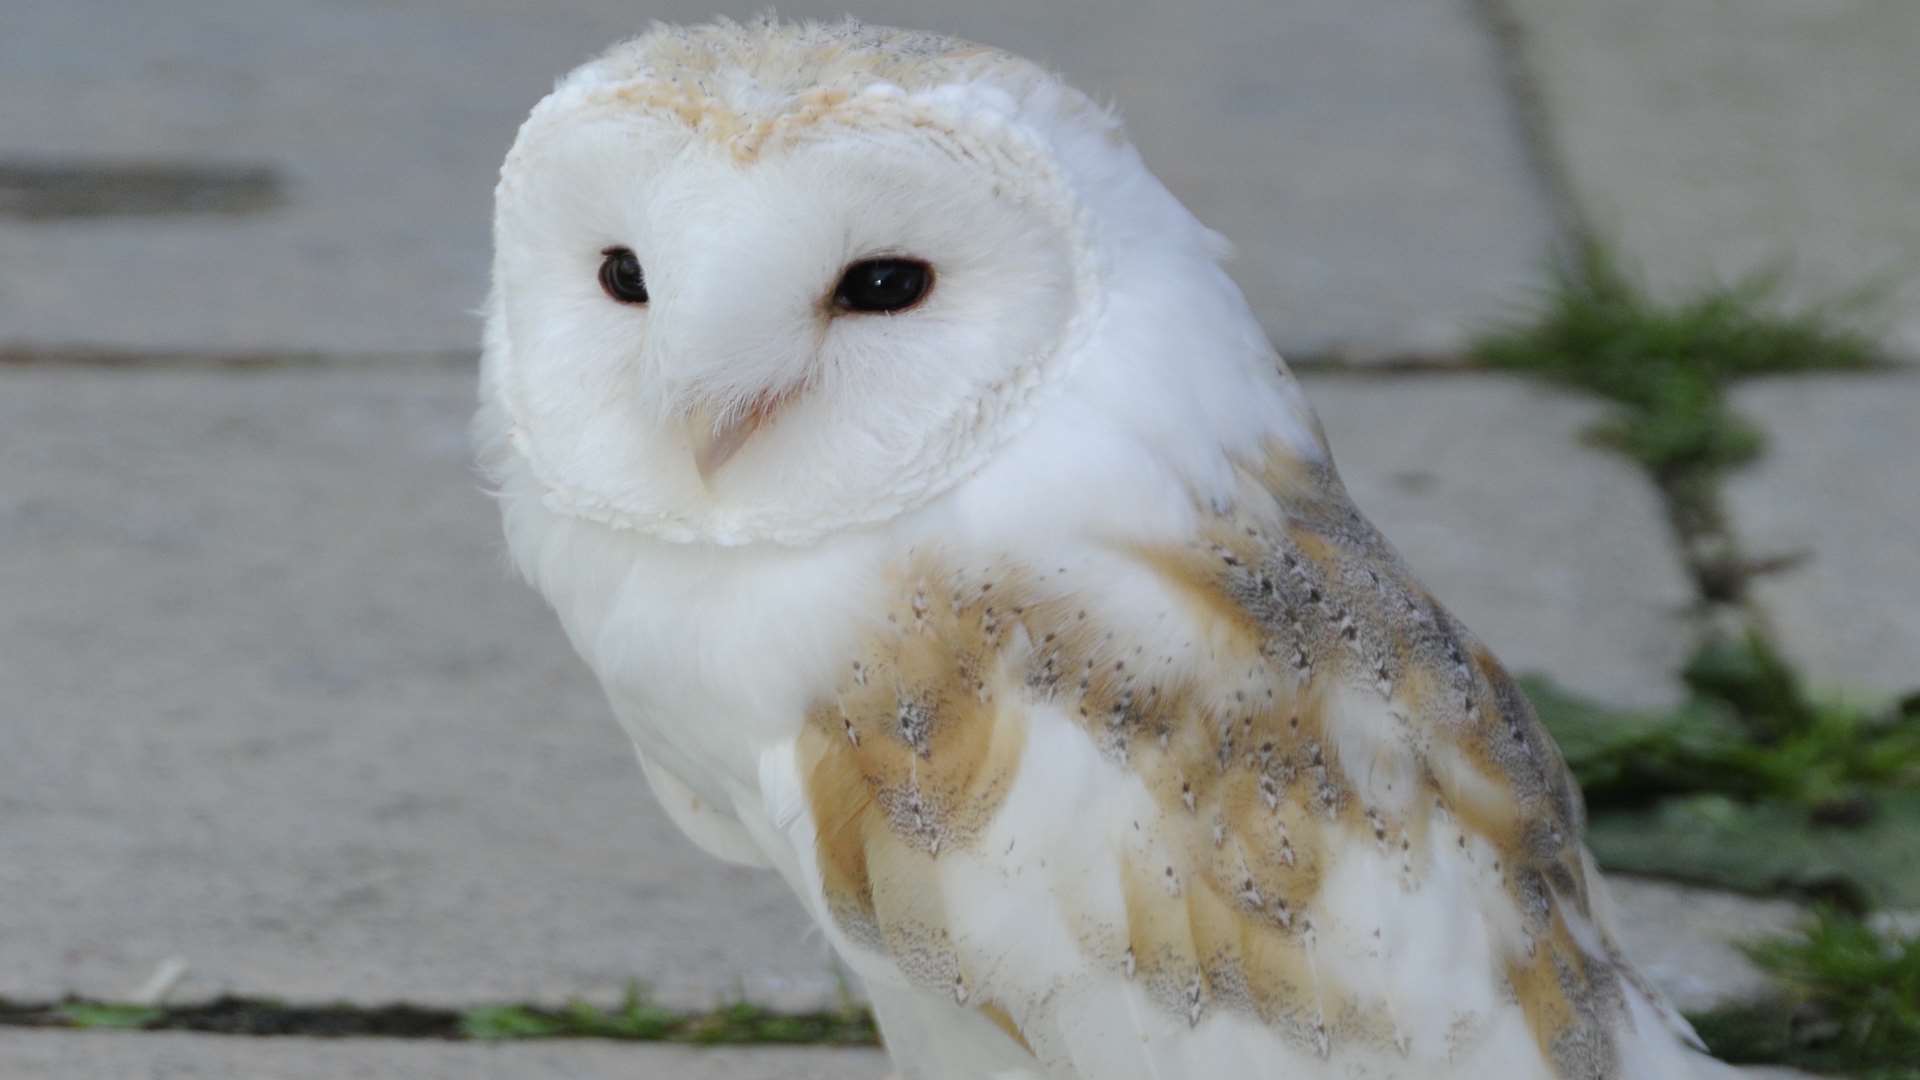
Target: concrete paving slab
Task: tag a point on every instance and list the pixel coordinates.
(274, 705)
(1360, 153)
(1711, 138)
(1838, 483)
(1686, 939)
(63, 1055)
(1556, 554)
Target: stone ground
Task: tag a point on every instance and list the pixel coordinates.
(62, 1055)
(1714, 140)
(1839, 487)
(276, 708)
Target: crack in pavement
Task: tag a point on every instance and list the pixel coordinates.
(19, 354)
(58, 190)
(732, 1025)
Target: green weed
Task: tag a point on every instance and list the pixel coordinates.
(635, 1018)
(1851, 1004)
(1667, 365)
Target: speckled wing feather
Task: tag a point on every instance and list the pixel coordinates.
(1251, 806)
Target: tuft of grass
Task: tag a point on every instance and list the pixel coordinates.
(1769, 848)
(1852, 1004)
(97, 1015)
(1667, 365)
(1746, 730)
(1750, 783)
(634, 1018)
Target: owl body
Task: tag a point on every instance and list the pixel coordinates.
(1018, 619)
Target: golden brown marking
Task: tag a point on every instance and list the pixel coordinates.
(842, 804)
(1479, 799)
(1191, 575)
(912, 914)
(793, 56)
(1282, 474)
(744, 137)
(1538, 991)
(1280, 977)
(1003, 1020)
(1314, 546)
(746, 88)
(1160, 948)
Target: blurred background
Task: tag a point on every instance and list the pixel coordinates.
(284, 749)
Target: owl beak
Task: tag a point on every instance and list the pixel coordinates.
(716, 438)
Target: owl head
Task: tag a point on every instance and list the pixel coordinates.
(765, 282)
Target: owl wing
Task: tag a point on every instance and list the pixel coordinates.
(1252, 805)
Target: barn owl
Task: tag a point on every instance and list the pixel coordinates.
(948, 537)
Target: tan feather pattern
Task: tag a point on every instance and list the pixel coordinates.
(1330, 705)
(746, 86)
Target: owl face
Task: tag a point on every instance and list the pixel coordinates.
(765, 291)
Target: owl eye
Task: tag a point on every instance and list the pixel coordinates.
(621, 277)
(883, 285)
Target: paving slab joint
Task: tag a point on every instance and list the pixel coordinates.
(631, 1020)
(1524, 95)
